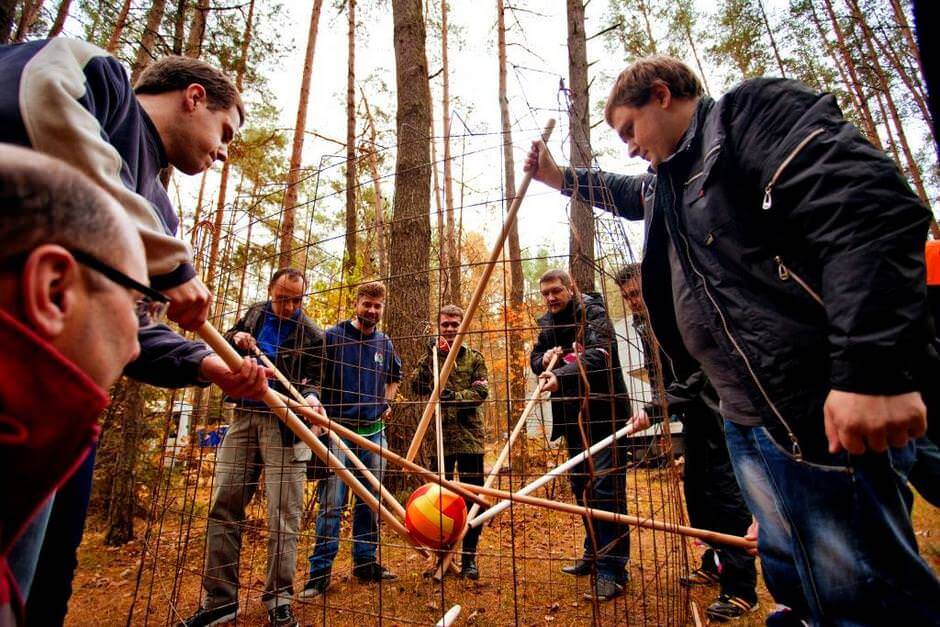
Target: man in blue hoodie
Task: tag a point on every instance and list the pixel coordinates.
(361, 375)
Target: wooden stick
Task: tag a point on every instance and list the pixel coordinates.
(494, 471)
(438, 421)
(384, 494)
(495, 253)
(275, 402)
(712, 537)
(325, 421)
(631, 427)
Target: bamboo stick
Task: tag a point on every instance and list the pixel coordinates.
(494, 471)
(275, 402)
(631, 427)
(495, 253)
(384, 494)
(711, 537)
(323, 420)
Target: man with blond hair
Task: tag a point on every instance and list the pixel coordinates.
(784, 256)
(361, 375)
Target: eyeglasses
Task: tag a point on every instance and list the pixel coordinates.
(150, 308)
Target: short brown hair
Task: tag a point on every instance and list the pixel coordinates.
(627, 273)
(634, 85)
(557, 274)
(174, 73)
(292, 273)
(450, 310)
(373, 289)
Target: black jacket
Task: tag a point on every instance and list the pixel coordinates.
(583, 321)
(300, 357)
(802, 242)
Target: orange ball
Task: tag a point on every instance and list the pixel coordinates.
(435, 516)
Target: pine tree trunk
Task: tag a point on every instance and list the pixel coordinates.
(179, 26)
(145, 51)
(61, 15)
(581, 240)
(381, 245)
(119, 24)
(351, 174)
(442, 276)
(452, 294)
(286, 237)
(773, 40)
(409, 283)
(855, 84)
(913, 167)
(7, 19)
(122, 503)
(645, 11)
(197, 30)
(904, 25)
(515, 314)
(837, 63)
(27, 17)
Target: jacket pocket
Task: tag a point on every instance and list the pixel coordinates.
(778, 172)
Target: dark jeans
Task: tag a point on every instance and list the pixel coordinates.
(835, 542)
(714, 500)
(925, 475)
(48, 600)
(470, 467)
(607, 490)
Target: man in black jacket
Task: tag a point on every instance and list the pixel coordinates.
(256, 439)
(577, 329)
(712, 496)
(784, 254)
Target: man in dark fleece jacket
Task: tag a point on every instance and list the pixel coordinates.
(784, 256)
(72, 100)
(589, 403)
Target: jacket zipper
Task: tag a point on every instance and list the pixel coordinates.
(710, 152)
(786, 273)
(795, 445)
(768, 190)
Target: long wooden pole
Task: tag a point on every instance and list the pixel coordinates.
(438, 420)
(497, 466)
(495, 252)
(631, 427)
(322, 420)
(384, 494)
(711, 537)
(275, 402)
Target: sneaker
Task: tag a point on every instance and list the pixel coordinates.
(604, 589)
(727, 607)
(205, 617)
(699, 577)
(579, 569)
(316, 584)
(282, 616)
(372, 571)
(469, 568)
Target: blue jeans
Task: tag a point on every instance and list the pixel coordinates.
(608, 491)
(332, 495)
(835, 542)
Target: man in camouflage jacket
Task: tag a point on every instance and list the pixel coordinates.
(461, 414)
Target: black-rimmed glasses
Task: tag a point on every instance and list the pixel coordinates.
(150, 308)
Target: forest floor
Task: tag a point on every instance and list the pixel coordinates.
(520, 557)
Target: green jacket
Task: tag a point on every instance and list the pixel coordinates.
(462, 417)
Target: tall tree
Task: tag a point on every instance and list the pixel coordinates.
(517, 285)
(352, 185)
(581, 238)
(61, 14)
(28, 16)
(409, 276)
(286, 238)
(119, 24)
(179, 26)
(773, 39)
(197, 30)
(381, 243)
(684, 17)
(452, 294)
(145, 50)
(739, 41)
